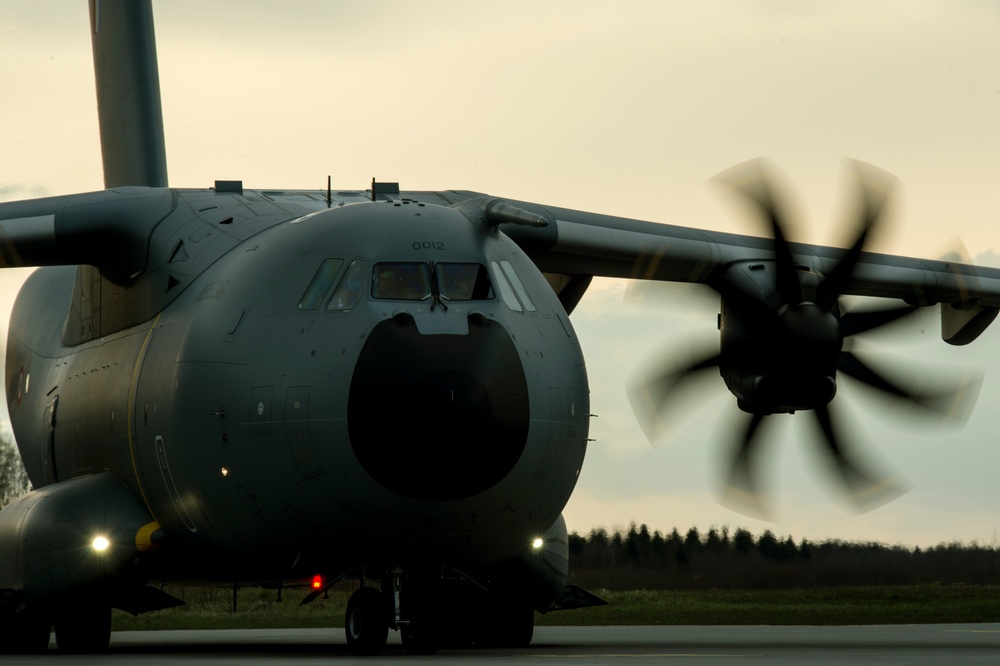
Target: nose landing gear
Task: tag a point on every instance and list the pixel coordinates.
(431, 613)
(371, 612)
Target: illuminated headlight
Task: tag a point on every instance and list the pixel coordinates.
(537, 544)
(100, 544)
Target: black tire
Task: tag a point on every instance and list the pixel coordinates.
(24, 634)
(83, 628)
(366, 623)
(35, 635)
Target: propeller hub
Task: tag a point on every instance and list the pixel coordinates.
(810, 336)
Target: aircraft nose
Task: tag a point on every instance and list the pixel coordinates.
(438, 417)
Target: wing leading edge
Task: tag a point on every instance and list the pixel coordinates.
(577, 243)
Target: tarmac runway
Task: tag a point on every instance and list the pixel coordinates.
(883, 644)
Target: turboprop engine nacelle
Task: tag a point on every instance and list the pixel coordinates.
(70, 536)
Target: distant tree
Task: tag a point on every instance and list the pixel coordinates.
(599, 537)
(13, 477)
(577, 544)
(671, 550)
(633, 547)
(692, 541)
(713, 542)
(788, 549)
(767, 544)
(743, 540)
(659, 546)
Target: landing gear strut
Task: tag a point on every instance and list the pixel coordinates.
(370, 614)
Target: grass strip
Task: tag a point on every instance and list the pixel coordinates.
(906, 604)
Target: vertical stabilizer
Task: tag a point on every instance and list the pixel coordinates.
(128, 93)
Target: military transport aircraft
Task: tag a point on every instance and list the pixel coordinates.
(294, 388)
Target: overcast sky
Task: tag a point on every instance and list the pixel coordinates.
(627, 108)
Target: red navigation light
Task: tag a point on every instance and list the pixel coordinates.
(317, 583)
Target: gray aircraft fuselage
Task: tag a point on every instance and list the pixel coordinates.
(273, 433)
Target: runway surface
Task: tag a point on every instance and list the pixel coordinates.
(887, 644)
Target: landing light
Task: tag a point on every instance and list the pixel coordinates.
(100, 544)
(537, 543)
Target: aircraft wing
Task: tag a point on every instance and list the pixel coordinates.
(577, 244)
(103, 228)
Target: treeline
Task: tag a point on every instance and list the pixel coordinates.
(13, 477)
(639, 558)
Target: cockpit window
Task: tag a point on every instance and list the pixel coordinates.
(401, 282)
(463, 282)
(522, 293)
(506, 292)
(320, 284)
(348, 292)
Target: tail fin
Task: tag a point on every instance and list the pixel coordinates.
(128, 93)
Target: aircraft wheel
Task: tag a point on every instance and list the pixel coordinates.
(366, 622)
(35, 635)
(83, 628)
(26, 634)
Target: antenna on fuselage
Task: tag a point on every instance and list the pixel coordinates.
(385, 189)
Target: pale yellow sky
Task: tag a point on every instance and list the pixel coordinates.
(622, 108)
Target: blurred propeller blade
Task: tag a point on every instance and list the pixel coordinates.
(750, 179)
(850, 364)
(649, 398)
(779, 353)
(865, 489)
(694, 297)
(852, 323)
(955, 404)
(740, 490)
(874, 185)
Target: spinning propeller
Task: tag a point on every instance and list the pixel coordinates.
(783, 338)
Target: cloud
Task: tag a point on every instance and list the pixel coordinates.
(987, 258)
(16, 191)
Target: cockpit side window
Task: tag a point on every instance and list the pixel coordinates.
(506, 292)
(401, 281)
(463, 282)
(320, 285)
(348, 292)
(522, 293)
